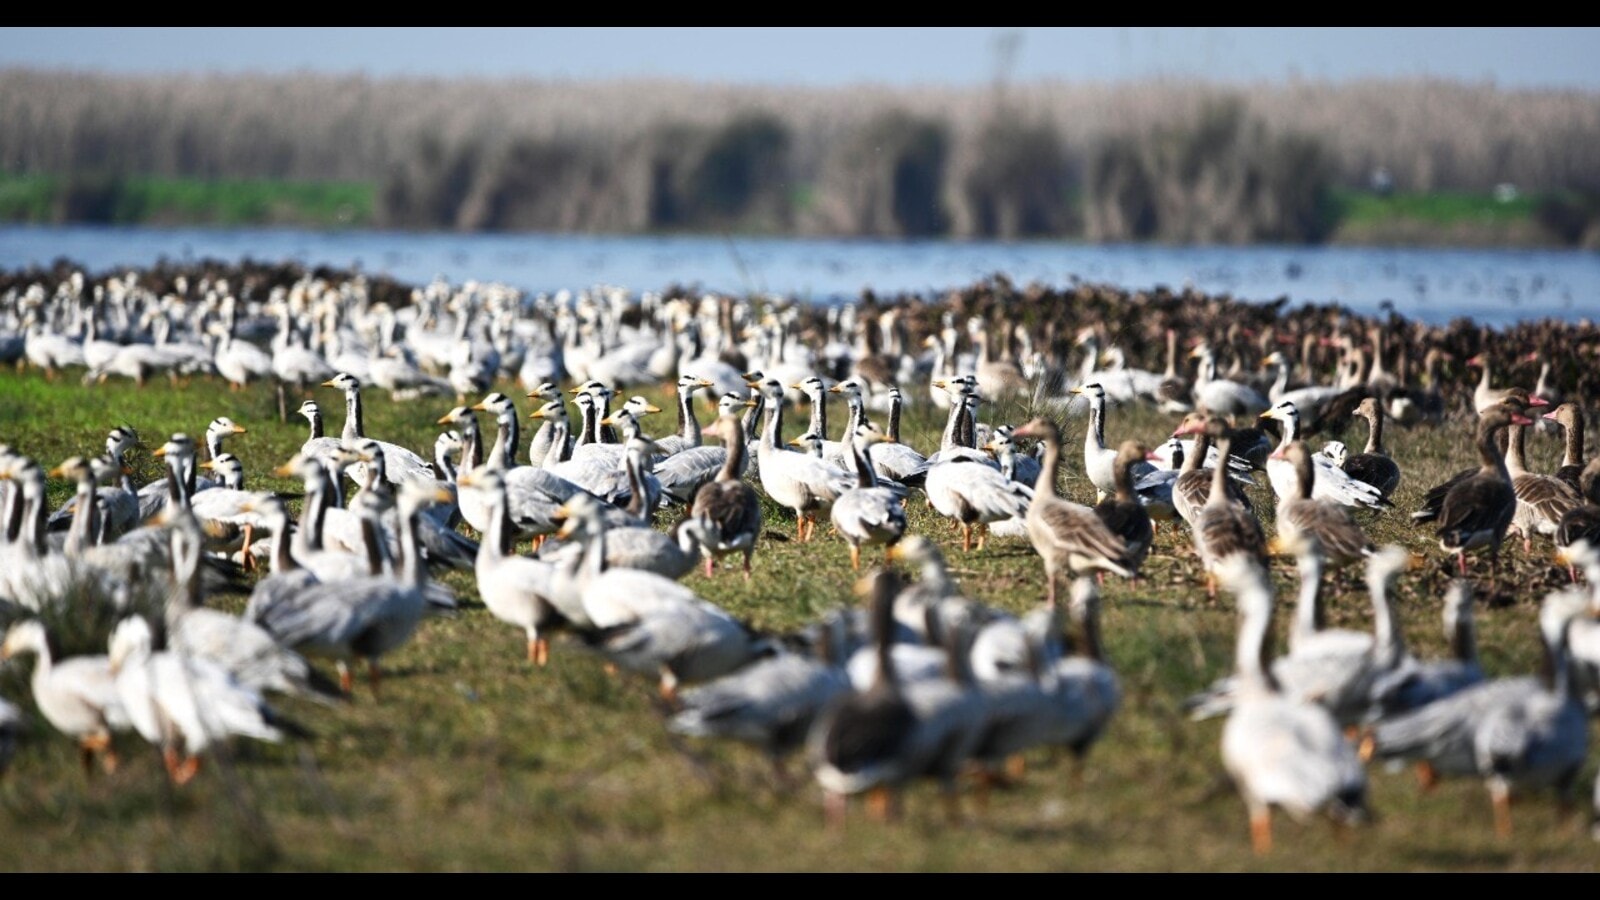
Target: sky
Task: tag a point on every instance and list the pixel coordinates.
(825, 57)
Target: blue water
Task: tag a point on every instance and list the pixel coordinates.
(1435, 285)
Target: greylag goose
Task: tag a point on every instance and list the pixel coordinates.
(1337, 532)
(1222, 527)
(1068, 536)
(1478, 510)
(1373, 465)
(1122, 512)
(1542, 500)
(1571, 419)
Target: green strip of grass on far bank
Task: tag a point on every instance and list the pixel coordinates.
(142, 199)
(1443, 208)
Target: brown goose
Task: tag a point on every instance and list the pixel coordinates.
(1373, 465)
(1478, 510)
(1122, 512)
(1571, 418)
(1541, 499)
(1583, 523)
(1485, 396)
(1223, 528)
(1068, 535)
(1341, 538)
(1518, 400)
(729, 505)
(1193, 484)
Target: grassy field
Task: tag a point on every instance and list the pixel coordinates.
(475, 760)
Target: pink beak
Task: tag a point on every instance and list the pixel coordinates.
(1538, 401)
(1550, 415)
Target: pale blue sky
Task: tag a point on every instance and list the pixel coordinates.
(1511, 57)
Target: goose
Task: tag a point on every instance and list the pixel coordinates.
(77, 696)
(1099, 461)
(1123, 512)
(1219, 395)
(1336, 530)
(1570, 417)
(1191, 486)
(649, 624)
(878, 739)
(683, 474)
(1086, 690)
(1373, 465)
(1331, 483)
(1312, 401)
(1004, 448)
(539, 446)
(117, 509)
(404, 465)
(797, 481)
(316, 445)
(959, 440)
(1336, 668)
(1416, 683)
(360, 617)
(240, 362)
(441, 544)
(1518, 401)
(183, 704)
(771, 703)
(1485, 396)
(728, 506)
(1068, 536)
(228, 526)
(1223, 528)
(890, 457)
(1516, 733)
(515, 589)
(1280, 751)
(246, 651)
(1582, 523)
(1542, 500)
(1478, 510)
(867, 514)
(688, 435)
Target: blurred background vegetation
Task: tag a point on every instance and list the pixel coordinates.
(1409, 161)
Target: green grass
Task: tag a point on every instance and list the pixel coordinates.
(182, 201)
(1437, 208)
(474, 760)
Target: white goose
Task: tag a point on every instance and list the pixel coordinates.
(798, 481)
(1331, 483)
(1281, 751)
(183, 704)
(78, 696)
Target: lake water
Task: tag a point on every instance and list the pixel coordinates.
(1436, 285)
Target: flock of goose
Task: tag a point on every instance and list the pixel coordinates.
(918, 680)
